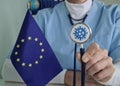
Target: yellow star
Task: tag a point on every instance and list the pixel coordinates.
(41, 57)
(29, 38)
(16, 53)
(36, 62)
(42, 50)
(36, 39)
(23, 64)
(18, 46)
(30, 65)
(22, 40)
(18, 60)
(41, 44)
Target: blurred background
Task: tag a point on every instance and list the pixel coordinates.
(12, 13)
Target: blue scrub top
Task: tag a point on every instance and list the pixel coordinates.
(103, 20)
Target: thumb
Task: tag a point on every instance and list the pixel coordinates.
(92, 49)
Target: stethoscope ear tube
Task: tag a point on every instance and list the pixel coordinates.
(83, 66)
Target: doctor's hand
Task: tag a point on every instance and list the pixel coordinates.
(98, 64)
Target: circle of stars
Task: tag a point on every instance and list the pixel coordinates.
(23, 64)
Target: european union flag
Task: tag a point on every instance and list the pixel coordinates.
(32, 56)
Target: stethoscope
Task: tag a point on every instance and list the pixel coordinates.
(80, 34)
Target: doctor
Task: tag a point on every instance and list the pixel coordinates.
(102, 56)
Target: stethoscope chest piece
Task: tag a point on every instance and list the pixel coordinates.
(80, 33)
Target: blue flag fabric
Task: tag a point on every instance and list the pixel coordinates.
(32, 56)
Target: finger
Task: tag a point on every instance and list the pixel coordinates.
(99, 66)
(96, 57)
(108, 74)
(104, 75)
(90, 51)
(78, 56)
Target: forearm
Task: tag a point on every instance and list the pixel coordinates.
(69, 79)
(66, 77)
